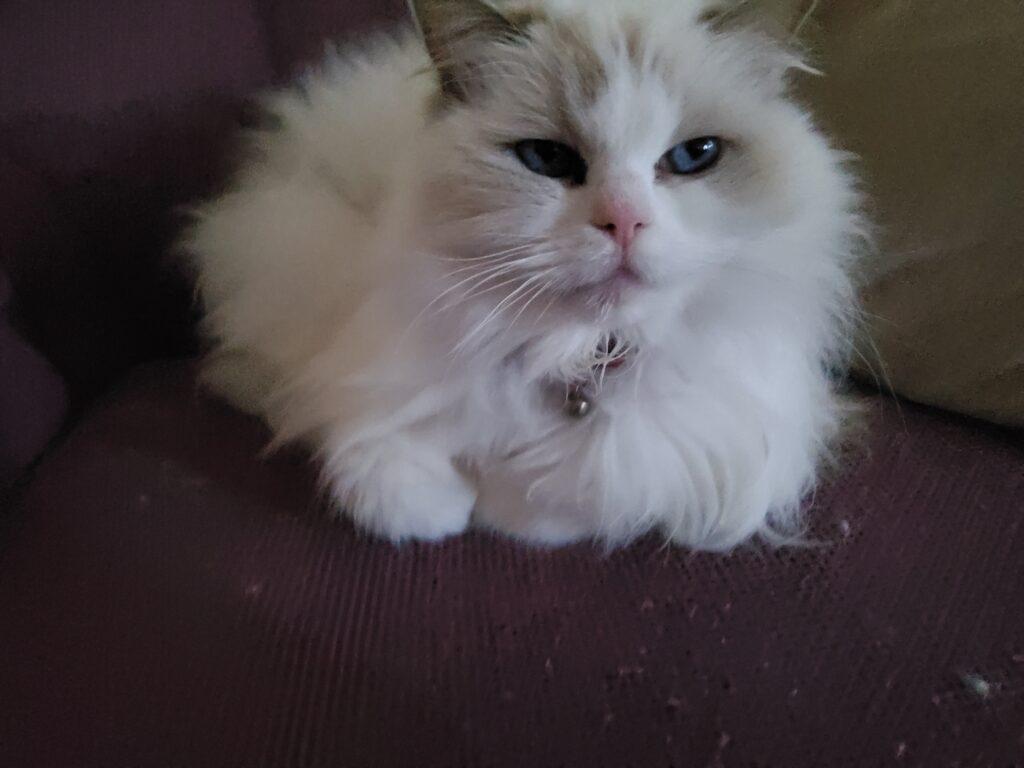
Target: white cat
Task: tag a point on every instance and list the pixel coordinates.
(574, 269)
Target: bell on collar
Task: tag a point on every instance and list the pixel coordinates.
(577, 403)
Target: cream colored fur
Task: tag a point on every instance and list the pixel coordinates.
(387, 283)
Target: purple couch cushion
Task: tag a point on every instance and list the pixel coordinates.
(170, 600)
(32, 398)
(113, 113)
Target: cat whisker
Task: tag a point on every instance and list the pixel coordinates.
(488, 272)
(483, 277)
(490, 256)
(540, 290)
(554, 298)
(495, 312)
(518, 262)
(492, 315)
(474, 293)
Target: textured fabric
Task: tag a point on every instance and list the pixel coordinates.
(32, 398)
(168, 600)
(931, 95)
(113, 113)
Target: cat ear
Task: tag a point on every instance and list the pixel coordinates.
(774, 24)
(456, 33)
(778, 19)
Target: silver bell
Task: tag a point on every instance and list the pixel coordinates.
(577, 406)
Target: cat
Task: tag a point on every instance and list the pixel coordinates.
(570, 269)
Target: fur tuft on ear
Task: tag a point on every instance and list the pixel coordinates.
(455, 33)
(776, 23)
(778, 19)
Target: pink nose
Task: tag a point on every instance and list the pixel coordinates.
(620, 221)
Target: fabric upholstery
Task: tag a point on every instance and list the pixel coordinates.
(169, 600)
(931, 96)
(113, 114)
(32, 398)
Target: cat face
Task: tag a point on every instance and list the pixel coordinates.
(610, 156)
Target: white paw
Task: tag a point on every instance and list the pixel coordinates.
(408, 492)
(425, 507)
(504, 505)
(554, 531)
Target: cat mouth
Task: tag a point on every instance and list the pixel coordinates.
(626, 275)
(611, 288)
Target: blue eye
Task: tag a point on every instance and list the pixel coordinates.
(552, 159)
(692, 156)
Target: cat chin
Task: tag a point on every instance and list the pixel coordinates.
(620, 298)
(622, 285)
(643, 307)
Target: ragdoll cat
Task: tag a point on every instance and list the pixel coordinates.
(571, 268)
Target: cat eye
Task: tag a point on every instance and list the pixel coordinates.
(552, 159)
(693, 156)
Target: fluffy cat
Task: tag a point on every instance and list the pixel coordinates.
(572, 269)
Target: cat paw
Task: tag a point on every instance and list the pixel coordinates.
(504, 506)
(411, 494)
(428, 510)
(552, 532)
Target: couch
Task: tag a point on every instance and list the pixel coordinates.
(170, 598)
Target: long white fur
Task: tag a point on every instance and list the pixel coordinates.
(387, 284)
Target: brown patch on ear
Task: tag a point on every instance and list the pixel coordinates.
(772, 22)
(454, 31)
(713, 15)
(775, 18)
(524, 18)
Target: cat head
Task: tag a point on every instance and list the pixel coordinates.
(611, 157)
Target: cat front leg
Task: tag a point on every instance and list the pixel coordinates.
(507, 505)
(401, 486)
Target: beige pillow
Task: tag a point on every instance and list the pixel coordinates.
(931, 95)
